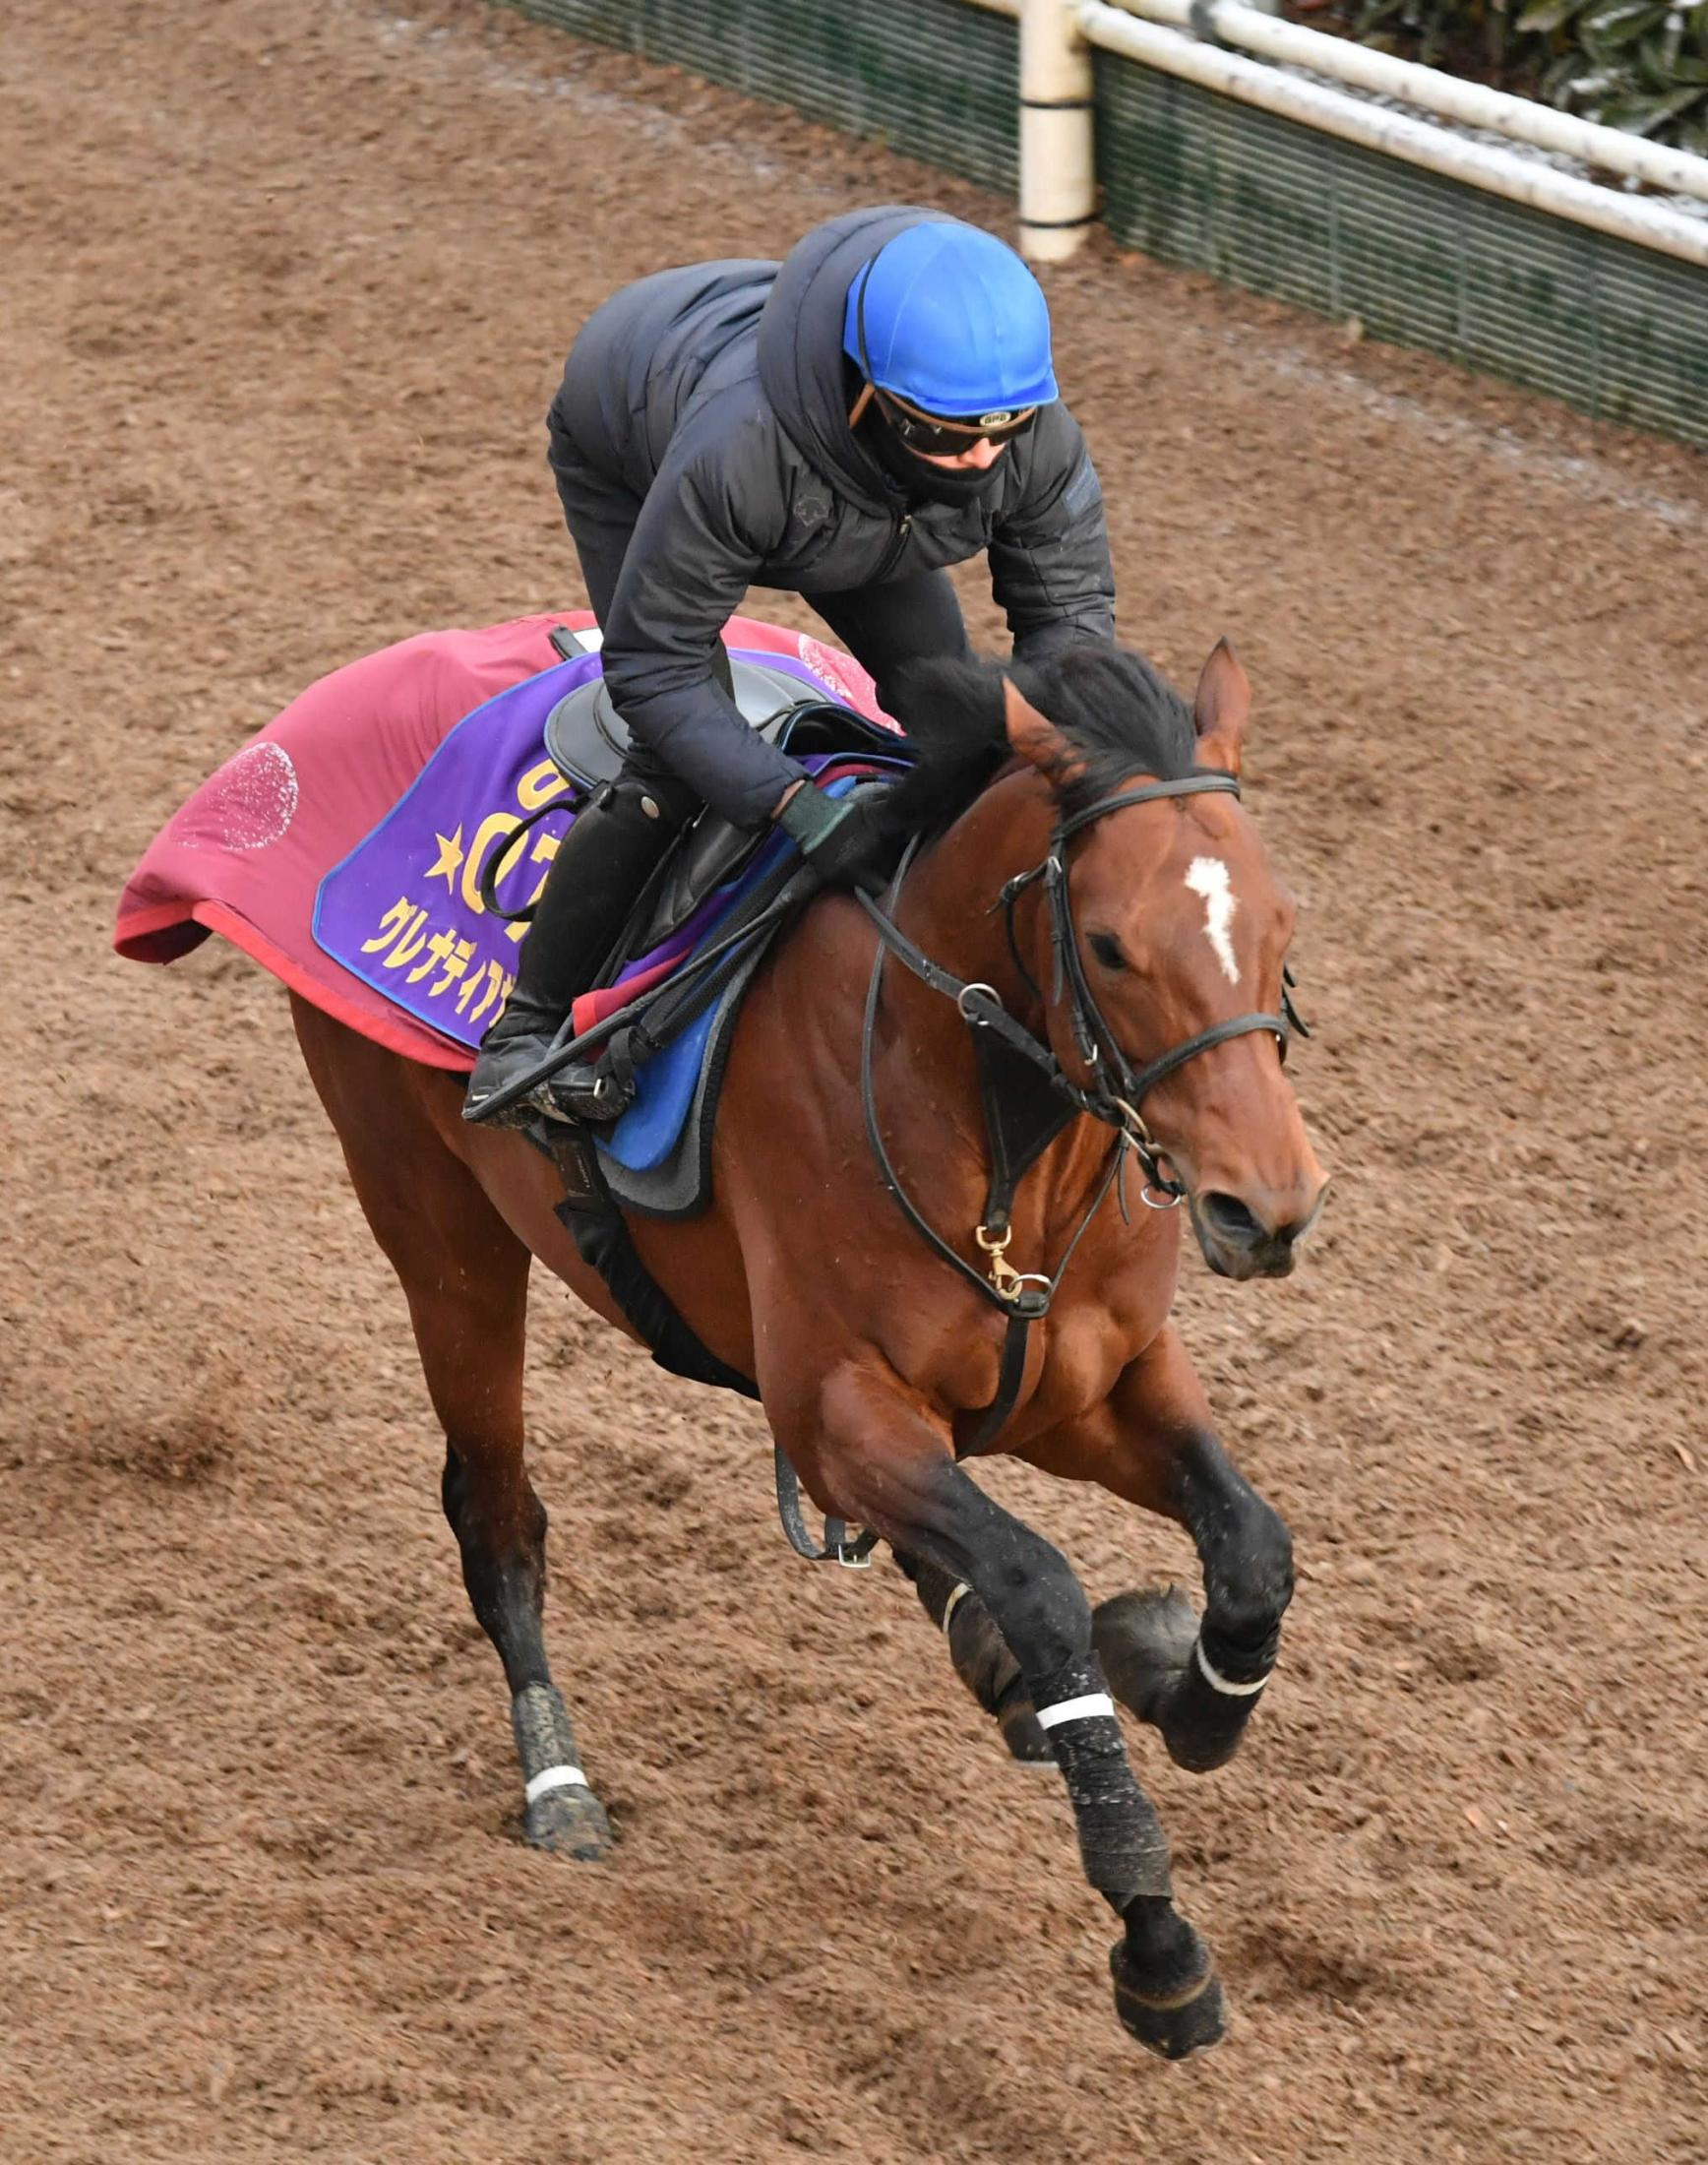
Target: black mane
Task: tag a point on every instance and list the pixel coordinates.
(1119, 715)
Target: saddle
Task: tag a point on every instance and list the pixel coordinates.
(587, 740)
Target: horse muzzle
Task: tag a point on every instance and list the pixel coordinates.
(1239, 1241)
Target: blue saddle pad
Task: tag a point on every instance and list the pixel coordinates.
(664, 1086)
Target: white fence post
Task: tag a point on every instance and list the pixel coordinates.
(1058, 179)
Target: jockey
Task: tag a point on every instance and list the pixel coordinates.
(843, 425)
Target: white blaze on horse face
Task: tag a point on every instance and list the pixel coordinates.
(1209, 877)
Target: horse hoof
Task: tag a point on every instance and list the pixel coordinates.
(1173, 2025)
(570, 1823)
(1024, 1734)
(1205, 1752)
(1145, 1642)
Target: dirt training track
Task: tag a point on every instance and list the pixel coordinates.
(285, 288)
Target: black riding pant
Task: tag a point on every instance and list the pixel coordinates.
(885, 628)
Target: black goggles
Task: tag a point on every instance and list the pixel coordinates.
(933, 435)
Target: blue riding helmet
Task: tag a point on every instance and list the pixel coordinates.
(949, 318)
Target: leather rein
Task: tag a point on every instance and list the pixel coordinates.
(1028, 1098)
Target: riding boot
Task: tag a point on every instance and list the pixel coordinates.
(601, 867)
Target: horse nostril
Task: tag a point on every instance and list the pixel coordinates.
(1229, 1218)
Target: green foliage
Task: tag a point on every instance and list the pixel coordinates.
(1640, 64)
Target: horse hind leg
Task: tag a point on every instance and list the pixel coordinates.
(465, 1275)
(504, 1569)
(981, 1658)
(468, 1293)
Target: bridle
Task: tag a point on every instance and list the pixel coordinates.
(1028, 1096)
(1117, 1089)
(1028, 1100)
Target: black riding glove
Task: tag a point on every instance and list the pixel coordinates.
(847, 841)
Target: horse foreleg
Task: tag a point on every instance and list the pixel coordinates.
(465, 1275)
(870, 1451)
(1152, 1442)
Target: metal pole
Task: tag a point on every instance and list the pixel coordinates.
(1057, 177)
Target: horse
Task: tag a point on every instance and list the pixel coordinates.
(1090, 887)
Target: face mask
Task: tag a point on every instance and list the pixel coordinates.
(919, 482)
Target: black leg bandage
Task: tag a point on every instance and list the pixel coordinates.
(545, 1742)
(1121, 1839)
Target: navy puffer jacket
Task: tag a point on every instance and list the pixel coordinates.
(717, 397)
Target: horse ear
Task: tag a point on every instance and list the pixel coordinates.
(1220, 709)
(1032, 735)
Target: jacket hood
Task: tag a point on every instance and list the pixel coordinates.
(800, 343)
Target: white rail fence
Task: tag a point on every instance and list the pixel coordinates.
(1197, 40)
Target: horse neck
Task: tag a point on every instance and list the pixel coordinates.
(927, 1076)
(949, 904)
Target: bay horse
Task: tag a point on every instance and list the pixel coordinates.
(1091, 878)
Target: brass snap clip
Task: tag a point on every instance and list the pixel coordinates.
(1004, 1276)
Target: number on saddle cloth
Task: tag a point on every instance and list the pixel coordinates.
(427, 910)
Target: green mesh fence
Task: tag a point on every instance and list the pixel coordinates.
(1193, 177)
(934, 78)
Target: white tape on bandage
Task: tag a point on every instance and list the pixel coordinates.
(555, 1778)
(954, 1602)
(1222, 1683)
(1094, 1706)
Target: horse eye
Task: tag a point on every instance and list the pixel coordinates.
(1107, 949)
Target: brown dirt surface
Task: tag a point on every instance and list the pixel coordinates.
(286, 288)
